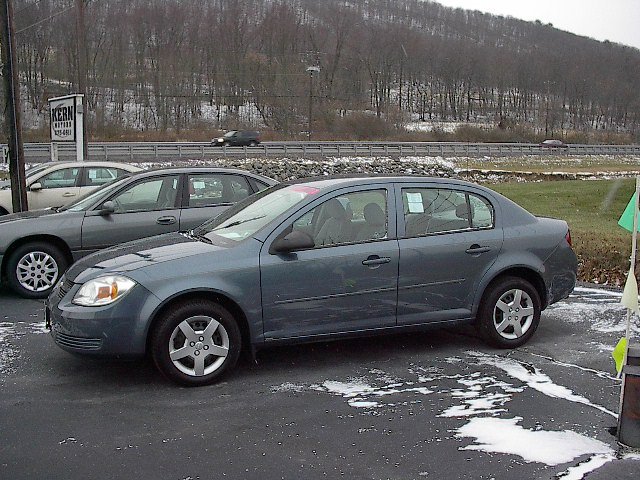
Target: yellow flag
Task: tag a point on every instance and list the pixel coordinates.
(630, 294)
(618, 354)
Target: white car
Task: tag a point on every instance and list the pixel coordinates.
(57, 184)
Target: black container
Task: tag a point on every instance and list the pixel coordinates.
(629, 419)
(633, 356)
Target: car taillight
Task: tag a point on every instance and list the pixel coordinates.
(568, 238)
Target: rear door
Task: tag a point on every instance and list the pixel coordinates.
(448, 240)
(142, 209)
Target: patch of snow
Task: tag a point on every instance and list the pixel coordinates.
(579, 471)
(504, 435)
(535, 379)
(287, 387)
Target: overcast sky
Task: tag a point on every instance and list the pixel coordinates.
(614, 20)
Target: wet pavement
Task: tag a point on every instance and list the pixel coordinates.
(438, 404)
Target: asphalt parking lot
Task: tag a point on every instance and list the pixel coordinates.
(438, 404)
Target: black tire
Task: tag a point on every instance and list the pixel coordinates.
(253, 144)
(3, 212)
(167, 334)
(48, 262)
(507, 303)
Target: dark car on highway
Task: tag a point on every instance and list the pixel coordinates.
(36, 247)
(237, 138)
(317, 260)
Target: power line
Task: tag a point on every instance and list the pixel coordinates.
(44, 20)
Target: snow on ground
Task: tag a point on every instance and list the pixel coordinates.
(504, 435)
(9, 331)
(481, 399)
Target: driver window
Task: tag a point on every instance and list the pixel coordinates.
(349, 218)
(63, 178)
(153, 194)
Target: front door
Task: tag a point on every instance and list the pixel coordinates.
(144, 209)
(348, 282)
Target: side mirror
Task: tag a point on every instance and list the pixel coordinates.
(35, 187)
(107, 208)
(291, 242)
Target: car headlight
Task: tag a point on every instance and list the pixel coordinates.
(103, 291)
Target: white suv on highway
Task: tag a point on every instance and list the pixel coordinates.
(56, 184)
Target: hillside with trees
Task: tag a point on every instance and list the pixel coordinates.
(177, 66)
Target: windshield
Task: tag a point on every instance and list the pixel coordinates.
(250, 215)
(230, 134)
(89, 199)
(6, 184)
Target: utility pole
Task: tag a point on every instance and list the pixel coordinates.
(311, 71)
(12, 92)
(81, 42)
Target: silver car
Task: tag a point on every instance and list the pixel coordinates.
(36, 247)
(57, 184)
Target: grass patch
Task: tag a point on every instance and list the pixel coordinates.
(592, 210)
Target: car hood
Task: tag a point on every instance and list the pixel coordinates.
(29, 215)
(138, 254)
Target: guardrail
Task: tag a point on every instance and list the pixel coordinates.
(149, 151)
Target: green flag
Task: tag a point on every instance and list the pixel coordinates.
(626, 220)
(618, 354)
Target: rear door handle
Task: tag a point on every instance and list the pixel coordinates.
(477, 249)
(375, 260)
(68, 194)
(166, 220)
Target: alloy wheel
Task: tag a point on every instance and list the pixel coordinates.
(199, 346)
(513, 314)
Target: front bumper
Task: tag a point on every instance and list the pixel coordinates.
(116, 330)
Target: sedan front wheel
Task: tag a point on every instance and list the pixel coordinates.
(195, 343)
(510, 312)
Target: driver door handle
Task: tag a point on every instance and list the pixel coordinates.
(374, 260)
(170, 220)
(68, 194)
(476, 249)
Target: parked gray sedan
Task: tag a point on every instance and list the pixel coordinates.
(312, 261)
(36, 247)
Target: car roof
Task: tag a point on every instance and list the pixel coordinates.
(126, 166)
(355, 180)
(201, 169)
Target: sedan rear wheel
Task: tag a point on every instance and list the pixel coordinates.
(33, 269)
(196, 343)
(510, 312)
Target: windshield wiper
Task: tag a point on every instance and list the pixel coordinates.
(199, 236)
(239, 222)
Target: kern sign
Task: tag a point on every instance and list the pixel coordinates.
(63, 119)
(66, 117)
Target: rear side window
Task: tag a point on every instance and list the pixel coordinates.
(215, 189)
(101, 175)
(437, 210)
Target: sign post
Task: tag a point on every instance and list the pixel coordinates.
(66, 119)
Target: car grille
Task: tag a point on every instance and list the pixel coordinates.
(77, 343)
(65, 287)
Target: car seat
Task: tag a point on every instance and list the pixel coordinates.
(336, 228)
(375, 223)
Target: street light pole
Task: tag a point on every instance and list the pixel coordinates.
(311, 71)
